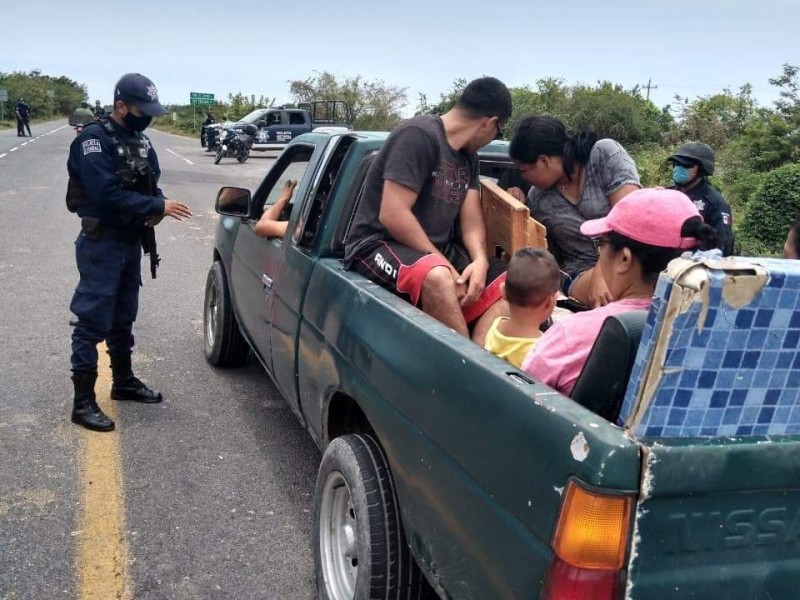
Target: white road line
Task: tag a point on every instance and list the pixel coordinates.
(14, 149)
(179, 156)
(2, 155)
(23, 144)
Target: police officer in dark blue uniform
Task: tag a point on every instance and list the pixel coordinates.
(113, 175)
(22, 111)
(691, 163)
(98, 110)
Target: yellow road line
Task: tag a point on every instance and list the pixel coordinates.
(102, 563)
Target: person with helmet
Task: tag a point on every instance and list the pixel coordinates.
(692, 163)
(98, 110)
(113, 186)
(83, 114)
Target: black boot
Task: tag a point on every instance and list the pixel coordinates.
(85, 411)
(127, 386)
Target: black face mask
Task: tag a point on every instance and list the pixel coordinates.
(137, 123)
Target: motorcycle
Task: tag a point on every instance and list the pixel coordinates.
(236, 142)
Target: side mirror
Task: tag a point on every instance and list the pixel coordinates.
(234, 202)
(262, 123)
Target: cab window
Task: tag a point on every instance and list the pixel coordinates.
(292, 164)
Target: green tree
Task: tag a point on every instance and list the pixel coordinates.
(773, 209)
(715, 120)
(239, 105)
(549, 97)
(370, 104)
(47, 96)
(613, 112)
(789, 103)
(447, 100)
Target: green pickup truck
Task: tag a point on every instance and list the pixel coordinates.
(448, 472)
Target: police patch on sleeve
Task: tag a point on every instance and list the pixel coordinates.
(90, 146)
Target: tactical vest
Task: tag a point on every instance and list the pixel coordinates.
(133, 172)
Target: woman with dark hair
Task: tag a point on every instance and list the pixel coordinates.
(791, 248)
(634, 243)
(575, 178)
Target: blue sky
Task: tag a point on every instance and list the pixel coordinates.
(687, 48)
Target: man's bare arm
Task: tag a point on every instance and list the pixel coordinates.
(473, 236)
(396, 216)
(473, 229)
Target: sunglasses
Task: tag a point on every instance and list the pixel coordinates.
(499, 126)
(599, 242)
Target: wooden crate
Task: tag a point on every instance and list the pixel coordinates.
(509, 224)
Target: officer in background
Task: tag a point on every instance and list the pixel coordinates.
(22, 111)
(691, 164)
(210, 119)
(83, 114)
(113, 175)
(99, 111)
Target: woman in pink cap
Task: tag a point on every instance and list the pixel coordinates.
(643, 232)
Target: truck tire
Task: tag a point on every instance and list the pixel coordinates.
(224, 344)
(218, 157)
(360, 548)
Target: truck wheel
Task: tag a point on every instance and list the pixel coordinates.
(218, 157)
(360, 549)
(224, 344)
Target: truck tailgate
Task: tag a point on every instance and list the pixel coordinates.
(718, 519)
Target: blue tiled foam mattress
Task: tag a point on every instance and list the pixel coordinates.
(719, 352)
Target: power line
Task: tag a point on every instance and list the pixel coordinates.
(649, 87)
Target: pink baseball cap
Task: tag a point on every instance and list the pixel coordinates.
(652, 216)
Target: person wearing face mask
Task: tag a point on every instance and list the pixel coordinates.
(113, 186)
(692, 163)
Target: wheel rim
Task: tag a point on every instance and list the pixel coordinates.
(338, 538)
(212, 315)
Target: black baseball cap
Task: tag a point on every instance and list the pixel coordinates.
(141, 91)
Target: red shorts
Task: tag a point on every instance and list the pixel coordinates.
(402, 270)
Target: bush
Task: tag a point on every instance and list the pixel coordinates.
(651, 162)
(773, 209)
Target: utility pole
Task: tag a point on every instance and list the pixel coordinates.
(649, 87)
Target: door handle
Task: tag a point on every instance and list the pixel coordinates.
(267, 281)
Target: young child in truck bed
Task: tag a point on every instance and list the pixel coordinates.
(532, 283)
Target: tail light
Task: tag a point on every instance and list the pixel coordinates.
(589, 545)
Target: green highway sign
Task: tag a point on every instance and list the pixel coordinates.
(200, 98)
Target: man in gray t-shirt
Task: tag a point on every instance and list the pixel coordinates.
(423, 181)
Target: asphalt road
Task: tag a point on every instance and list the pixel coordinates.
(217, 481)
